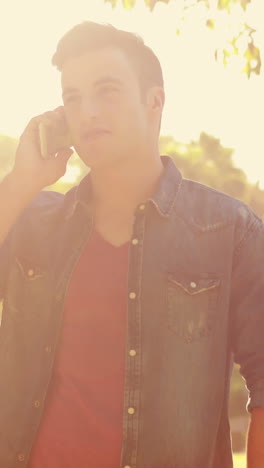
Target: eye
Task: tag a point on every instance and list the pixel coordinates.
(108, 89)
(72, 98)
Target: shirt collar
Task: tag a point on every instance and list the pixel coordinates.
(163, 198)
(166, 193)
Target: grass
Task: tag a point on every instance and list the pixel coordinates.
(239, 460)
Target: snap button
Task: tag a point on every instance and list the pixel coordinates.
(132, 295)
(37, 403)
(193, 284)
(30, 272)
(132, 352)
(142, 207)
(135, 241)
(131, 410)
(21, 457)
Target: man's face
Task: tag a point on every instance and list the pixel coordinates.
(104, 109)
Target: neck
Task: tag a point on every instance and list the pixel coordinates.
(121, 189)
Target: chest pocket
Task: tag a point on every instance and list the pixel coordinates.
(191, 306)
(26, 293)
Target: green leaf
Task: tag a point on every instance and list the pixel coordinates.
(252, 56)
(129, 4)
(151, 3)
(224, 4)
(227, 4)
(210, 23)
(244, 3)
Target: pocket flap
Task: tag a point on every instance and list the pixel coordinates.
(28, 270)
(193, 285)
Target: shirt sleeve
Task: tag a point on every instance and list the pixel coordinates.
(4, 261)
(247, 304)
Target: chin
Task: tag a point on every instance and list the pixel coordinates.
(96, 162)
(100, 160)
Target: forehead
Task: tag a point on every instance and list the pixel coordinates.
(92, 65)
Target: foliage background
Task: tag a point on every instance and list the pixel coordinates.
(240, 42)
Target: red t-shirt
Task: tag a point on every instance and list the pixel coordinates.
(82, 420)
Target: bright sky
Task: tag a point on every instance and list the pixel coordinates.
(201, 95)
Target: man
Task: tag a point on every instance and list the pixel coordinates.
(125, 299)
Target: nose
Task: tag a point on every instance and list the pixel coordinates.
(89, 108)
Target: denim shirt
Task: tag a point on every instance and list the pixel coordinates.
(195, 301)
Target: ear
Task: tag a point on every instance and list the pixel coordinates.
(155, 101)
(156, 97)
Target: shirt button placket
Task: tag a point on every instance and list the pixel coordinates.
(132, 354)
(133, 349)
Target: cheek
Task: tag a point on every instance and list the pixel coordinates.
(137, 123)
(73, 123)
(68, 116)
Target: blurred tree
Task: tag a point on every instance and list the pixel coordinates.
(209, 163)
(239, 394)
(237, 410)
(76, 170)
(242, 41)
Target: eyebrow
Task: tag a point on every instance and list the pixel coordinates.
(103, 80)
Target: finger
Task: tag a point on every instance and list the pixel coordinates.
(65, 154)
(32, 129)
(46, 117)
(59, 110)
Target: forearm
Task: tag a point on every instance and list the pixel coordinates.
(255, 441)
(15, 195)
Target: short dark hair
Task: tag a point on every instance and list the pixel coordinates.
(91, 36)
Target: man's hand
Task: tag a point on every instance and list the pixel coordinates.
(29, 166)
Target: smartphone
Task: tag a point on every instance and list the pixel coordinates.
(53, 137)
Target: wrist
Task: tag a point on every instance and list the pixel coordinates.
(22, 183)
